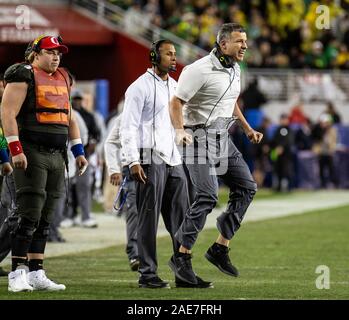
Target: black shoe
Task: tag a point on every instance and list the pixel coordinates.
(201, 284)
(134, 264)
(219, 256)
(153, 283)
(182, 268)
(3, 273)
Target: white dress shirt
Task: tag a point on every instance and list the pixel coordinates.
(201, 84)
(146, 119)
(112, 149)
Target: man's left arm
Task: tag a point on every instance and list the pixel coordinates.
(253, 135)
(77, 147)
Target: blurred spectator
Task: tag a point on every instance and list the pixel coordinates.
(63, 211)
(286, 15)
(136, 21)
(316, 57)
(252, 97)
(281, 154)
(342, 59)
(325, 141)
(336, 118)
(188, 29)
(303, 136)
(261, 151)
(297, 115)
(82, 184)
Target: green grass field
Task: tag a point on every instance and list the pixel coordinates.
(276, 258)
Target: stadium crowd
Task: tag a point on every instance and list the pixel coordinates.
(281, 33)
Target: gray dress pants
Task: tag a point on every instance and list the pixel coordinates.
(213, 154)
(165, 191)
(130, 210)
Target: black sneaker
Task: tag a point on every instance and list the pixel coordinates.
(219, 256)
(201, 284)
(182, 268)
(153, 283)
(134, 264)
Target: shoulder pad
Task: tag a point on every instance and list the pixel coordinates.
(19, 72)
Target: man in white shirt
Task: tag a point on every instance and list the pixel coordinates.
(205, 102)
(117, 170)
(148, 142)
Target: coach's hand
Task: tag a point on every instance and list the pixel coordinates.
(183, 137)
(254, 136)
(138, 174)
(81, 164)
(115, 179)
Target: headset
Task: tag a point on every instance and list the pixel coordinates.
(154, 54)
(225, 60)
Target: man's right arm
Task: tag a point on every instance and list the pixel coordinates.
(113, 155)
(130, 123)
(176, 107)
(12, 101)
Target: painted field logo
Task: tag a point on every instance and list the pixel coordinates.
(323, 280)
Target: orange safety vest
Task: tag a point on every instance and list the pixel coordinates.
(52, 97)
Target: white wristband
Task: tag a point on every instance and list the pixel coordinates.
(10, 139)
(75, 141)
(133, 163)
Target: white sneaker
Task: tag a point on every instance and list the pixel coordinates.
(66, 223)
(17, 281)
(39, 281)
(89, 223)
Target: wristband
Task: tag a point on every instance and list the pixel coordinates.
(133, 163)
(4, 156)
(15, 148)
(75, 141)
(77, 150)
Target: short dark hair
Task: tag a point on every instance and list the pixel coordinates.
(163, 41)
(226, 29)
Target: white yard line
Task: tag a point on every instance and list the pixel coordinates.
(111, 230)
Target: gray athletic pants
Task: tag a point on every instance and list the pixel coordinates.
(131, 213)
(166, 192)
(212, 155)
(8, 194)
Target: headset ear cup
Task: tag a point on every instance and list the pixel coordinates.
(155, 56)
(152, 57)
